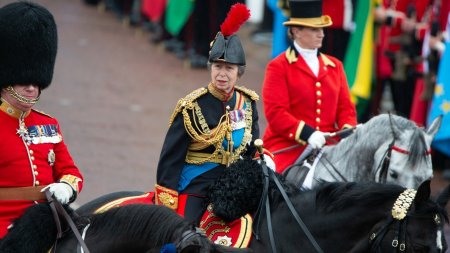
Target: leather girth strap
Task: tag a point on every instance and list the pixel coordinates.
(58, 210)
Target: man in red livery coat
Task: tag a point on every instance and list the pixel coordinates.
(33, 156)
(305, 93)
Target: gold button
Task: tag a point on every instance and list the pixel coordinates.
(318, 111)
(32, 158)
(317, 128)
(319, 93)
(36, 173)
(37, 182)
(318, 84)
(31, 152)
(34, 166)
(171, 201)
(317, 120)
(319, 101)
(291, 134)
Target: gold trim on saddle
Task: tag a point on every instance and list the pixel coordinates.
(235, 234)
(167, 197)
(403, 203)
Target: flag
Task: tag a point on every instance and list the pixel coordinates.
(280, 40)
(153, 9)
(441, 104)
(358, 61)
(177, 14)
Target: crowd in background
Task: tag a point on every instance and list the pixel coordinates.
(387, 47)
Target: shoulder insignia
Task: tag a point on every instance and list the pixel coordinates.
(187, 102)
(291, 55)
(43, 113)
(252, 94)
(327, 61)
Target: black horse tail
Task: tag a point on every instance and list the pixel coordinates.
(35, 231)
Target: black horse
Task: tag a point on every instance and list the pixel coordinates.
(340, 217)
(133, 228)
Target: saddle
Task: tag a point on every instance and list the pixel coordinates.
(234, 234)
(301, 172)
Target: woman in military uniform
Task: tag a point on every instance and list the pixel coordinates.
(33, 155)
(209, 129)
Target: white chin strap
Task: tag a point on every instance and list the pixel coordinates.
(21, 98)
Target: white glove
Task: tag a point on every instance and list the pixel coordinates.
(269, 162)
(317, 139)
(61, 191)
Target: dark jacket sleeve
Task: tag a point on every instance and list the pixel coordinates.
(173, 154)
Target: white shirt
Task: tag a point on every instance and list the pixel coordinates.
(310, 57)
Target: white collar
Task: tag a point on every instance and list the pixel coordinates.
(304, 51)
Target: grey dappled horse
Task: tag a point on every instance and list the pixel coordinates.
(387, 149)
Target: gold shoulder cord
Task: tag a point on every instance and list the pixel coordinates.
(215, 138)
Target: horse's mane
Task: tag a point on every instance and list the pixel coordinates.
(155, 225)
(372, 134)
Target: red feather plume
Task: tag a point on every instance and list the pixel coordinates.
(237, 15)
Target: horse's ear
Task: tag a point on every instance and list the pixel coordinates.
(444, 196)
(434, 126)
(423, 193)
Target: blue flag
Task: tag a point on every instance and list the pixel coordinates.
(280, 40)
(441, 104)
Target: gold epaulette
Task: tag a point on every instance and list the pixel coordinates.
(43, 113)
(327, 61)
(187, 101)
(291, 55)
(252, 94)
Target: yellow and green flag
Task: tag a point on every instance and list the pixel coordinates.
(358, 61)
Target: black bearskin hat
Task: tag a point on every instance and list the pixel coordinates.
(227, 47)
(28, 45)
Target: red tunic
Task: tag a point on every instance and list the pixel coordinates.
(42, 161)
(296, 102)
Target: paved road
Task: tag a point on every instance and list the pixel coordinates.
(113, 93)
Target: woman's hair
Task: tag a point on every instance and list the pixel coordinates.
(241, 69)
(290, 33)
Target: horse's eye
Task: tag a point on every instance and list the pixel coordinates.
(393, 174)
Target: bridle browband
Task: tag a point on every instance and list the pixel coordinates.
(398, 219)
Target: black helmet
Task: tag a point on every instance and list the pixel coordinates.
(28, 45)
(226, 47)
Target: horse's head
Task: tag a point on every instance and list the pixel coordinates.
(416, 224)
(404, 156)
(195, 241)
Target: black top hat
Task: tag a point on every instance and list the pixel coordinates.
(28, 45)
(226, 47)
(307, 13)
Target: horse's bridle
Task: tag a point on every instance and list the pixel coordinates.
(383, 167)
(268, 176)
(399, 219)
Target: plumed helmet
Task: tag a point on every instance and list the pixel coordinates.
(28, 45)
(226, 47)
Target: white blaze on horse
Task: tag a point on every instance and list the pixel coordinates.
(386, 149)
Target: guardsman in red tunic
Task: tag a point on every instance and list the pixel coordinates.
(305, 93)
(33, 155)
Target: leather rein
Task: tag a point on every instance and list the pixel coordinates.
(59, 211)
(269, 175)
